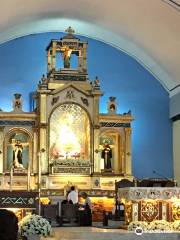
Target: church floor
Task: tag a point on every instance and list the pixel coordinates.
(99, 233)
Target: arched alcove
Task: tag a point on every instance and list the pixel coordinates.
(69, 137)
(18, 149)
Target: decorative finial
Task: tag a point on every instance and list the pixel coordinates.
(17, 102)
(70, 30)
(96, 84)
(112, 105)
(43, 79)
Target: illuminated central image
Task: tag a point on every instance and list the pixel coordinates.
(69, 133)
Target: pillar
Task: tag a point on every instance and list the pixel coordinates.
(97, 166)
(48, 60)
(176, 150)
(1, 149)
(128, 164)
(54, 56)
(35, 152)
(43, 155)
(80, 61)
(135, 211)
(43, 133)
(85, 56)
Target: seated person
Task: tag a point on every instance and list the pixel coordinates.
(73, 196)
(8, 225)
(87, 202)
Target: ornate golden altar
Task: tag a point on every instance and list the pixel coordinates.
(150, 203)
(65, 140)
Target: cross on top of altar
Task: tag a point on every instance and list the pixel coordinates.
(70, 30)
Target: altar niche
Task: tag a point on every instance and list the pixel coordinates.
(18, 145)
(62, 53)
(107, 153)
(112, 152)
(69, 138)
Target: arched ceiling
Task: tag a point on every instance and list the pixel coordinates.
(147, 30)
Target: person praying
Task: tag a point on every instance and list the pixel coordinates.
(73, 196)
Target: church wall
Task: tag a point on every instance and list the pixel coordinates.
(23, 62)
(176, 149)
(174, 105)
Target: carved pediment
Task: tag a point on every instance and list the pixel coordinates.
(70, 93)
(70, 87)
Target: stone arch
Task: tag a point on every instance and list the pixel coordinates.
(71, 138)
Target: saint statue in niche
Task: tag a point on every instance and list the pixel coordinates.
(17, 102)
(66, 56)
(70, 133)
(17, 154)
(107, 156)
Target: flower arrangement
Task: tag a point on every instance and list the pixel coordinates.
(34, 225)
(154, 226)
(175, 225)
(159, 225)
(136, 224)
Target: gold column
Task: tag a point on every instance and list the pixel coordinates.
(29, 177)
(164, 210)
(35, 152)
(116, 156)
(134, 211)
(54, 56)
(84, 56)
(43, 108)
(1, 150)
(96, 110)
(97, 166)
(123, 152)
(48, 60)
(80, 60)
(43, 132)
(43, 144)
(128, 168)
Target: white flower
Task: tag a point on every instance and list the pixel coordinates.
(155, 226)
(176, 225)
(159, 225)
(133, 225)
(34, 225)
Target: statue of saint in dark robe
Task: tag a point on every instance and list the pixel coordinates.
(107, 156)
(17, 155)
